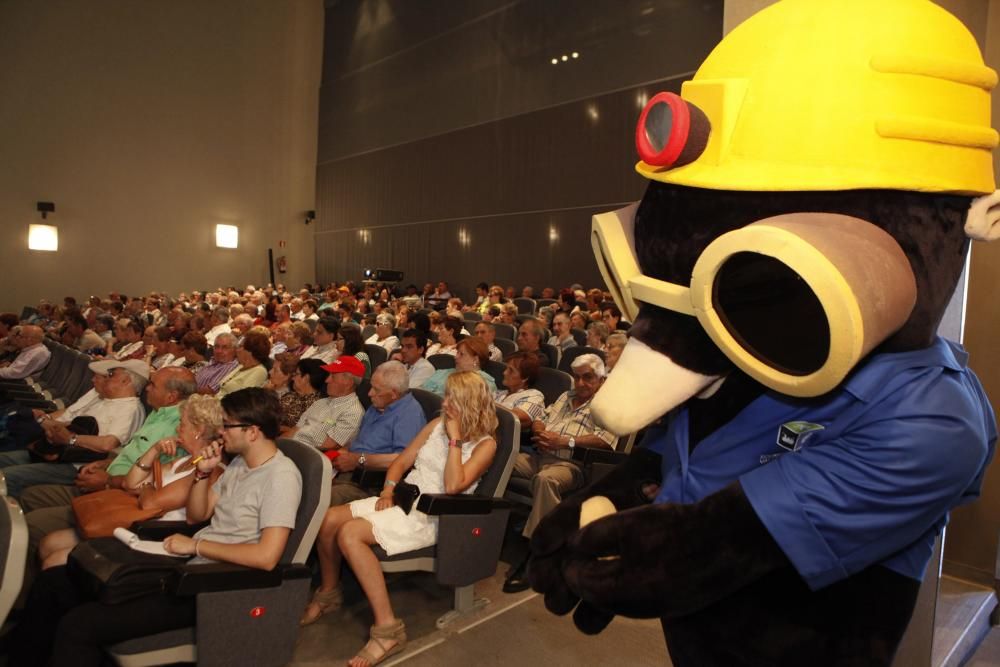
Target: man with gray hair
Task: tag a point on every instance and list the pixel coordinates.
(389, 425)
(566, 424)
(220, 324)
(32, 354)
(113, 404)
(332, 422)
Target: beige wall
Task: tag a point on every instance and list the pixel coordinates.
(148, 123)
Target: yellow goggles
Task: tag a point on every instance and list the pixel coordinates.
(794, 300)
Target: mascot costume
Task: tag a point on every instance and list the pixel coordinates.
(812, 193)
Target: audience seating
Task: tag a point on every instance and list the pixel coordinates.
(566, 361)
(552, 352)
(440, 361)
(579, 335)
(505, 331)
(472, 316)
(521, 318)
(541, 303)
(552, 383)
(495, 369)
(368, 331)
(376, 355)
(507, 347)
(525, 306)
(362, 390)
(66, 378)
(229, 596)
(470, 528)
(13, 554)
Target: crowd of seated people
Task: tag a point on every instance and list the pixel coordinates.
(184, 355)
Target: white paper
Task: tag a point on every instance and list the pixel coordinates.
(146, 546)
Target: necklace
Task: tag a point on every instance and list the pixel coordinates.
(264, 462)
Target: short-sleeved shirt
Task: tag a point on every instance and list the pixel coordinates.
(161, 423)
(252, 499)
(120, 417)
(435, 383)
(212, 375)
(389, 431)
(562, 418)
(29, 361)
(241, 378)
(336, 418)
(866, 475)
(530, 401)
(419, 372)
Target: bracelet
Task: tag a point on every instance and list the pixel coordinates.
(197, 545)
(454, 442)
(141, 466)
(199, 475)
(389, 482)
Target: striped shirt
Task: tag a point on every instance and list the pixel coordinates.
(530, 401)
(562, 418)
(211, 376)
(336, 418)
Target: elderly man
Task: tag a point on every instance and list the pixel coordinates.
(487, 333)
(529, 338)
(220, 324)
(32, 354)
(332, 422)
(412, 355)
(223, 363)
(562, 336)
(566, 424)
(129, 332)
(392, 421)
(113, 403)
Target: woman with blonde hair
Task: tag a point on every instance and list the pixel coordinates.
(201, 419)
(449, 455)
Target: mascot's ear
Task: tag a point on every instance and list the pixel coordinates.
(984, 214)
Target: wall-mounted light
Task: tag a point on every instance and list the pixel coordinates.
(43, 237)
(464, 238)
(227, 236)
(553, 234)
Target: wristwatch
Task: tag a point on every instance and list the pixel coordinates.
(361, 460)
(572, 442)
(72, 440)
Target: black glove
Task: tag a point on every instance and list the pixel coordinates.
(669, 560)
(624, 487)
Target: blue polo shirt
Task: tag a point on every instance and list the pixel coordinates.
(391, 430)
(864, 475)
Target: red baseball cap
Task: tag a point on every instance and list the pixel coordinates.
(346, 364)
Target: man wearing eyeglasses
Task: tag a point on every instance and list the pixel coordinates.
(113, 403)
(32, 357)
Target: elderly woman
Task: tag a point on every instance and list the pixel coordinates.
(251, 372)
(308, 386)
(616, 343)
(449, 455)
(279, 379)
(519, 394)
(448, 337)
(298, 338)
(194, 348)
(165, 487)
(349, 341)
(597, 335)
(385, 333)
(471, 355)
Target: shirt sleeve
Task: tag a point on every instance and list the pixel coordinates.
(280, 500)
(346, 426)
(879, 486)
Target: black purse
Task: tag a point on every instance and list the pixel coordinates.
(109, 571)
(43, 451)
(404, 495)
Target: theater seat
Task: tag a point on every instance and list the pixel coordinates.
(570, 354)
(525, 306)
(507, 347)
(552, 383)
(470, 528)
(248, 617)
(442, 361)
(13, 554)
(504, 331)
(376, 354)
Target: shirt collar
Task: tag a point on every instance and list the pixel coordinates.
(868, 380)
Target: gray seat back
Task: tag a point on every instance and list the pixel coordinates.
(525, 306)
(552, 383)
(508, 437)
(566, 361)
(505, 330)
(316, 471)
(507, 347)
(429, 401)
(441, 361)
(13, 554)
(376, 354)
(495, 369)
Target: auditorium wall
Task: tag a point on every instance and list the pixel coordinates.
(451, 147)
(147, 123)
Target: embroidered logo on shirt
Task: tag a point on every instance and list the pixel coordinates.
(791, 437)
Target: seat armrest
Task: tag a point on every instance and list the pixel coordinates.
(586, 456)
(160, 530)
(437, 504)
(367, 478)
(216, 577)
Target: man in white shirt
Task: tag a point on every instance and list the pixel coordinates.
(486, 332)
(113, 403)
(220, 324)
(32, 357)
(129, 332)
(412, 354)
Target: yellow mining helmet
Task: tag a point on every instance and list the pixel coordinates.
(820, 95)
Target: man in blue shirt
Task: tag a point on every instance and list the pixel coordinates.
(392, 421)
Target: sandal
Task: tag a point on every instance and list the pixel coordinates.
(393, 632)
(324, 602)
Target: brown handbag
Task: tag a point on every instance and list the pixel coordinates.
(100, 512)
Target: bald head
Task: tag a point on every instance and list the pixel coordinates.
(169, 386)
(30, 334)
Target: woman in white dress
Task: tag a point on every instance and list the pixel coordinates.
(449, 455)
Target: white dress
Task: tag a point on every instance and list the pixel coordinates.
(399, 532)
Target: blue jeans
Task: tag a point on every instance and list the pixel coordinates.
(21, 473)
